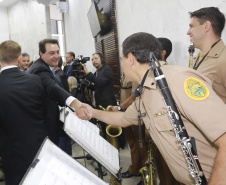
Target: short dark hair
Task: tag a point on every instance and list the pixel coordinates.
(71, 54)
(213, 15)
(24, 54)
(140, 45)
(9, 51)
(42, 44)
(166, 45)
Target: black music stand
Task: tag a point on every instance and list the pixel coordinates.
(99, 166)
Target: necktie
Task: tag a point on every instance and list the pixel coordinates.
(53, 71)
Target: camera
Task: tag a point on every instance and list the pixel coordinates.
(76, 66)
(81, 77)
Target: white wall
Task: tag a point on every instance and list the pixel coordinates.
(4, 31)
(162, 18)
(77, 30)
(28, 24)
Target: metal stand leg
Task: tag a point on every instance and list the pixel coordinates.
(99, 166)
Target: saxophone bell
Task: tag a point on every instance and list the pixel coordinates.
(113, 132)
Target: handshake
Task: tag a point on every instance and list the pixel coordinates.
(82, 110)
(86, 112)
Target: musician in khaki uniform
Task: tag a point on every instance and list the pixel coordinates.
(164, 174)
(205, 31)
(202, 111)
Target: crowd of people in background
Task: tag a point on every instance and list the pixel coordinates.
(36, 88)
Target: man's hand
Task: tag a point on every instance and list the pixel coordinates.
(85, 70)
(80, 109)
(88, 113)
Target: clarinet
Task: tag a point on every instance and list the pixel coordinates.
(187, 144)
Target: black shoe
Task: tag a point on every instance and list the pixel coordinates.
(89, 157)
(140, 183)
(127, 174)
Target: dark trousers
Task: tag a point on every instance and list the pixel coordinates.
(138, 155)
(65, 144)
(164, 173)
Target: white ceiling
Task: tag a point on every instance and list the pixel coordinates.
(7, 3)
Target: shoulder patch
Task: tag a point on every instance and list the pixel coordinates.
(196, 89)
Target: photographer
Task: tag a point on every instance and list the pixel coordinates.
(103, 84)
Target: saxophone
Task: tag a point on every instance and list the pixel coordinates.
(112, 137)
(191, 50)
(148, 172)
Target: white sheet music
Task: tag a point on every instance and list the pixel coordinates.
(87, 136)
(55, 167)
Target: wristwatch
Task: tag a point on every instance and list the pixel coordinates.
(119, 108)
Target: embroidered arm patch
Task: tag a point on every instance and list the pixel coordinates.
(196, 89)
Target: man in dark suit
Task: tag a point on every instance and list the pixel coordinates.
(70, 56)
(22, 114)
(103, 84)
(49, 56)
(61, 79)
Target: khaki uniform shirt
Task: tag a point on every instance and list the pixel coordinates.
(214, 66)
(203, 119)
(127, 88)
